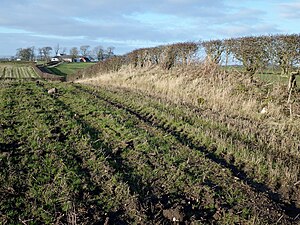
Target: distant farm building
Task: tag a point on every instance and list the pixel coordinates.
(62, 58)
(82, 59)
(66, 58)
(85, 59)
(70, 58)
(55, 59)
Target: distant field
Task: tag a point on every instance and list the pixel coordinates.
(267, 75)
(20, 71)
(68, 68)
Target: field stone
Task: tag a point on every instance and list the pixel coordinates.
(264, 110)
(52, 91)
(174, 214)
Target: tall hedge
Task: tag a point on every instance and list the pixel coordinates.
(253, 52)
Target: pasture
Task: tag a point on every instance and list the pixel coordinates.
(65, 69)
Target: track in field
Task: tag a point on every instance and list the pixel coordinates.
(81, 157)
(185, 140)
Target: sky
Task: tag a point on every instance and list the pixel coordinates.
(131, 24)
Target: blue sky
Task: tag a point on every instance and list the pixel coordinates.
(132, 24)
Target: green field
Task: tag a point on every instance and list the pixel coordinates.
(104, 155)
(267, 75)
(65, 69)
(112, 155)
(17, 71)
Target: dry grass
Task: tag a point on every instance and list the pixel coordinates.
(203, 84)
(230, 99)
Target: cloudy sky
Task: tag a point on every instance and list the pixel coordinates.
(131, 24)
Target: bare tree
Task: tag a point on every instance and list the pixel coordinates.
(166, 56)
(45, 52)
(32, 53)
(63, 50)
(214, 50)
(74, 52)
(56, 49)
(98, 52)
(84, 49)
(40, 54)
(26, 54)
(110, 51)
(286, 51)
(252, 52)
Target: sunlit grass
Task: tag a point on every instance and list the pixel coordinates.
(65, 69)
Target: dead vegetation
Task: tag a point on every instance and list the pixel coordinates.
(267, 147)
(205, 84)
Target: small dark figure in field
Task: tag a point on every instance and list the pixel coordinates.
(39, 83)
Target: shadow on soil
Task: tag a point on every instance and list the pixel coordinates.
(158, 206)
(289, 208)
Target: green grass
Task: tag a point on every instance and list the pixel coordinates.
(106, 156)
(65, 69)
(275, 77)
(256, 149)
(269, 75)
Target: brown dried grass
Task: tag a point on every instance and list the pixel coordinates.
(200, 84)
(231, 99)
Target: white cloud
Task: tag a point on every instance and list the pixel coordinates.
(247, 30)
(7, 30)
(290, 10)
(133, 23)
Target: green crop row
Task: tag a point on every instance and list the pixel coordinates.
(155, 156)
(45, 177)
(19, 72)
(86, 155)
(248, 150)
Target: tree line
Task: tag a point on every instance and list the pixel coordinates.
(44, 53)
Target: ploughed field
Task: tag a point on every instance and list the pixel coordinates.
(88, 155)
(17, 71)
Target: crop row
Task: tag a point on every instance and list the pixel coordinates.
(19, 72)
(80, 157)
(179, 166)
(50, 166)
(249, 155)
